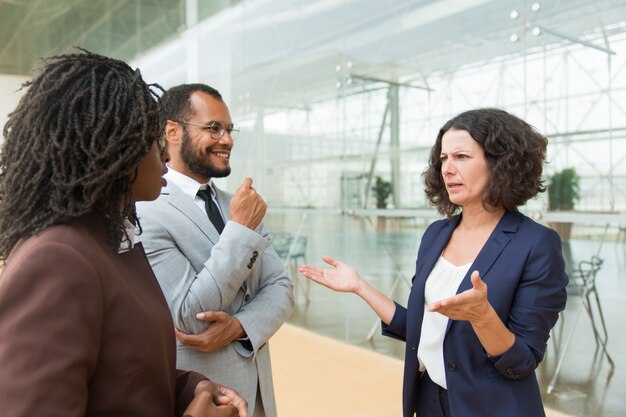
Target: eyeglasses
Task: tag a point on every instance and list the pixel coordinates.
(216, 129)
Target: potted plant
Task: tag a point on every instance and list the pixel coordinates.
(382, 191)
(563, 193)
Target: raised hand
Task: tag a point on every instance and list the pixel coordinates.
(471, 305)
(341, 277)
(247, 207)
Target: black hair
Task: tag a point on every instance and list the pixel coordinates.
(175, 103)
(72, 146)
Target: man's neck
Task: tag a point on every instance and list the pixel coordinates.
(184, 170)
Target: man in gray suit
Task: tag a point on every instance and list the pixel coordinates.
(226, 287)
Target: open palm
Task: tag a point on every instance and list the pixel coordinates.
(340, 277)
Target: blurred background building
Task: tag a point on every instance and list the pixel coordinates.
(339, 102)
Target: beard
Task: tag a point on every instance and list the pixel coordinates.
(197, 163)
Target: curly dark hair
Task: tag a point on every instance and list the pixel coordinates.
(175, 104)
(72, 146)
(515, 153)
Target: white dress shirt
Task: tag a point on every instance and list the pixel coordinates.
(130, 239)
(443, 282)
(190, 187)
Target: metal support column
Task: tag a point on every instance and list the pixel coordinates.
(394, 125)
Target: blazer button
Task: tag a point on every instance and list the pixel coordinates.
(452, 366)
(255, 254)
(250, 265)
(247, 298)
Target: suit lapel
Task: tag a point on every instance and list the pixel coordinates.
(224, 200)
(491, 251)
(432, 254)
(430, 257)
(493, 247)
(189, 209)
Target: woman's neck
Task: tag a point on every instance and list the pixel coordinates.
(479, 217)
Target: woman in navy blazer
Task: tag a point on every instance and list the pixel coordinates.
(489, 282)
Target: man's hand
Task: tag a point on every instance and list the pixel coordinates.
(214, 400)
(247, 207)
(223, 329)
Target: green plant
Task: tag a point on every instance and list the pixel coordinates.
(382, 190)
(563, 190)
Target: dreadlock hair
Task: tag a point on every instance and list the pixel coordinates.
(72, 147)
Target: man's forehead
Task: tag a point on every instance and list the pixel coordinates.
(205, 105)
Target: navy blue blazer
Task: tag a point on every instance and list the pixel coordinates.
(522, 265)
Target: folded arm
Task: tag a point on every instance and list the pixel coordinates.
(218, 278)
(258, 318)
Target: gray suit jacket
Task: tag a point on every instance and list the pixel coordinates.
(238, 272)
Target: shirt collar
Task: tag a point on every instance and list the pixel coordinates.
(129, 239)
(189, 186)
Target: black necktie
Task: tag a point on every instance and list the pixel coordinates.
(211, 209)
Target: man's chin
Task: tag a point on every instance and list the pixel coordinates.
(221, 173)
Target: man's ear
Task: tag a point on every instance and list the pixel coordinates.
(173, 132)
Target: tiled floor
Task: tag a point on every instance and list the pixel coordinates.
(386, 254)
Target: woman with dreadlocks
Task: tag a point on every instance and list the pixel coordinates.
(84, 327)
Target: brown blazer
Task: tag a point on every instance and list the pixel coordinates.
(85, 331)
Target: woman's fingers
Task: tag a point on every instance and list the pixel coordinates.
(313, 273)
(331, 261)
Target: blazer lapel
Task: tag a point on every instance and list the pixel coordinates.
(493, 247)
(430, 258)
(491, 251)
(434, 251)
(189, 209)
(224, 200)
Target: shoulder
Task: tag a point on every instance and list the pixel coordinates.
(532, 240)
(68, 254)
(531, 230)
(75, 237)
(223, 195)
(439, 225)
(151, 206)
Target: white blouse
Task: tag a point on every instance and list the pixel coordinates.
(443, 282)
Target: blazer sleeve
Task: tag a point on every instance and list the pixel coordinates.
(540, 297)
(238, 253)
(50, 329)
(397, 327)
(272, 304)
(215, 285)
(186, 382)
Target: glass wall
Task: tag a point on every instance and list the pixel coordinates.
(340, 101)
(332, 94)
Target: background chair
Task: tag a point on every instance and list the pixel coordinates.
(292, 250)
(583, 284)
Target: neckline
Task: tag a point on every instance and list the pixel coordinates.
(467, 265)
